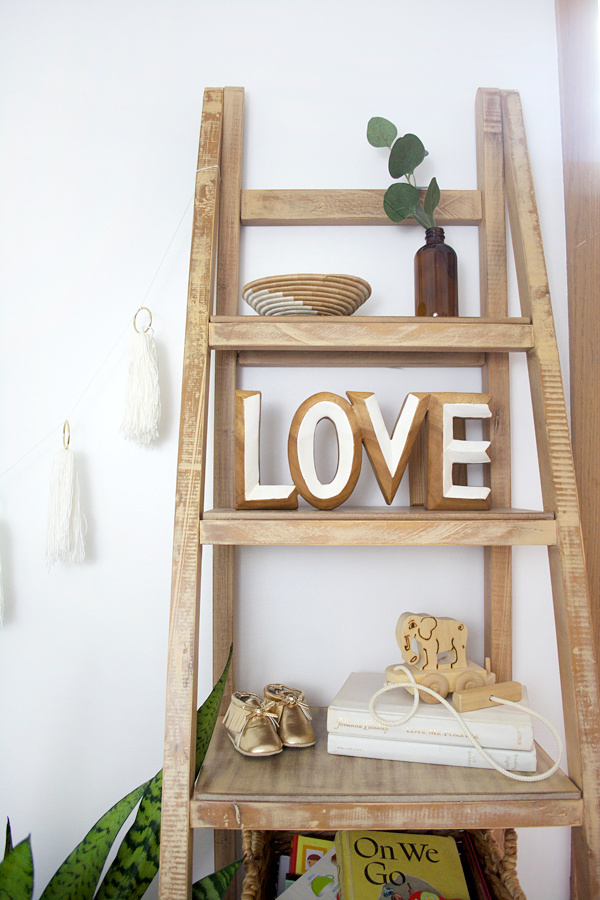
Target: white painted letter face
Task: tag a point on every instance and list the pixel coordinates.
(250, 493)
(463, 451)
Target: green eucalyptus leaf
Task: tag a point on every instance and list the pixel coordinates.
(214, 887)
(407, 153)
(8, 844)
(400, 200)
(432, 198)
(137, 860)
(381, 132)
(78, 876)
(16, 873)
(423, 218)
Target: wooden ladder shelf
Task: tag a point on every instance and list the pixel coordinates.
(229, 794)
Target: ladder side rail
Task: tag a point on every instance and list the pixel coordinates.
(495, 374)
(567, 563)
(226, 848)
(225, 369)
(182, 664)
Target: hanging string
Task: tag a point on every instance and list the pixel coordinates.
(106, 358)
(412, 685)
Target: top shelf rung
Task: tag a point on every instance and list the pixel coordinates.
(348, 207)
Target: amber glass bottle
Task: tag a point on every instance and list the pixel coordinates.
(436, 282)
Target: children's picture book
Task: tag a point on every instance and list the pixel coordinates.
(501, 727)
(306, 850)
(319, 880)
(382, 865)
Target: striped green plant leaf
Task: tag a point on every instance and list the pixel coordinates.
(136, 862)
(78, 876)
(16, 873)
(137, 859)
(214, 886)
(208, 713)
(8, 844)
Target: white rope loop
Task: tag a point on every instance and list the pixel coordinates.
(412, 685)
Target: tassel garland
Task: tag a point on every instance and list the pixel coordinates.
(64, 542)
(142, 396)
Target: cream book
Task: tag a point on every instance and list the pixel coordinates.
(436, 754)
(501, 727)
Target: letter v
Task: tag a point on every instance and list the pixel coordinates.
(389, 456)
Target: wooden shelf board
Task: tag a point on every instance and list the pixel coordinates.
(311, 789)
(323, 334)
(347, 207)
(377, 527)
(396, 359)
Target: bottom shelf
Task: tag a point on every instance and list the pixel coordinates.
(312, 790)
(495, 862)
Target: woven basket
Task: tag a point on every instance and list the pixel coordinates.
(497, 852)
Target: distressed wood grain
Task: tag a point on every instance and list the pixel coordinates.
(577, 653)
(182, 663)
(347, 207)
(493, 290)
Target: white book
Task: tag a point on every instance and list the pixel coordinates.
(502, 727)
(320, 880)
(437, 754)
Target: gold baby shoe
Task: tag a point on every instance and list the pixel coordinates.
(251, 723)
(295, 729)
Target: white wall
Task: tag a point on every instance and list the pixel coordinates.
(102, 106)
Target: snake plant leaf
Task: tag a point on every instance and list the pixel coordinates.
(406, 154)
(78, 876)
(432, 198)
(381, 132)
(400, 201)
(214, 887)
(207, 715)
(137, 859)
(8, 844)
(16, 873)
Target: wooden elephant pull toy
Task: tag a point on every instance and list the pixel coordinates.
(434, 649)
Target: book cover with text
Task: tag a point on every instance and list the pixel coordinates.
(383, 865)
(501, 727)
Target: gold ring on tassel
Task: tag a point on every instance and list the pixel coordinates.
(149, 323)
(66, 434)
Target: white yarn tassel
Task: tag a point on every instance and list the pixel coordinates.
(64, 541)
(142, 396)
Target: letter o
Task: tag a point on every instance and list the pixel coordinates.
(301, 450)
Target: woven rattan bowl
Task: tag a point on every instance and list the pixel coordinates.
(306, 295)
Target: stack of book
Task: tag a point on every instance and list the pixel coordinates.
(381, 865)
(431, 735)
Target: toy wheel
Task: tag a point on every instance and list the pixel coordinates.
(437, 683)
(469, 680)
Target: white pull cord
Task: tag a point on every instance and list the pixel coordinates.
(421, 687)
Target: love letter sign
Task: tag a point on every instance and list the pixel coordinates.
(356, 423)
